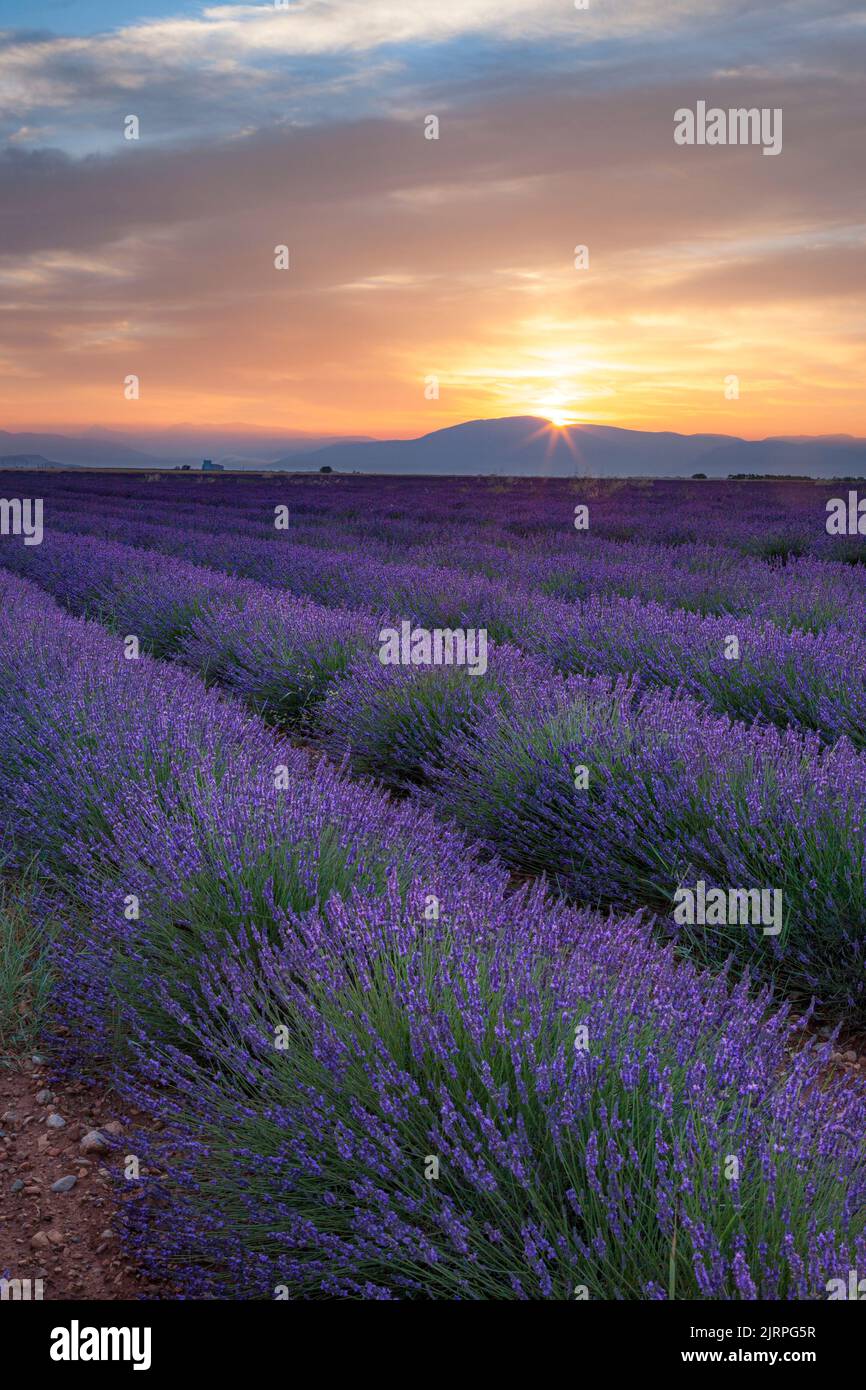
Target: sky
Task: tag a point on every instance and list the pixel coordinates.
(429, 280)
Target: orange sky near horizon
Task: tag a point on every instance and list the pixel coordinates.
(797, 372)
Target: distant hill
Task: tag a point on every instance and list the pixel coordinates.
(817, 458)
(236, 447)
(86, 452)
(527, 446)
(521, 445)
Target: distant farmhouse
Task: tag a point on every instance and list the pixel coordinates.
(208, 466)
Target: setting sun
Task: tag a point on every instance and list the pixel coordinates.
(554, 407)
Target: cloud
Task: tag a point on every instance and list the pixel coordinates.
(253, 60)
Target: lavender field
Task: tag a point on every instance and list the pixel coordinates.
(463, 880)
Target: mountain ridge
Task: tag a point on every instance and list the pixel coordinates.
(532, 446)
(520, 446)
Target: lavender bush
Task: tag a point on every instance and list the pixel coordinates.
(671, 795)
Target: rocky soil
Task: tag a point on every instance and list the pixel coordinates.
(57, 1201)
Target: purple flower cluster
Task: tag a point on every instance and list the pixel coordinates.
(775, 521)
(376, 1071)
(667, 796)
(676, 792)
(783, 674)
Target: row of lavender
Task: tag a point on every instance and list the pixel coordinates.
(769, 519)
(377, 1072)
(750, 668)
(670, 794)
(702, 577)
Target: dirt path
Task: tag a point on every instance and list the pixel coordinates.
(65, 1238)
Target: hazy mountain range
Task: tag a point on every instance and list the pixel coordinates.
(235, 446)
(522, 445)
